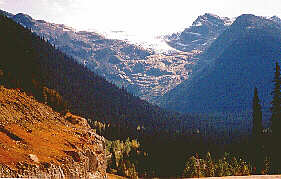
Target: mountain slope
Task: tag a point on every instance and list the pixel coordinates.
(204, 30)
(31, 64)
(39, 142)
(240, 59)
(7, 14)
(141, 71)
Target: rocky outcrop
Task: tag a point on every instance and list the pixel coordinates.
(37, 142)
(204, 30)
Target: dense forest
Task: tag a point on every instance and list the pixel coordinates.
(143, 140)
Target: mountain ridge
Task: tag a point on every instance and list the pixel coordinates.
(142, 72)
(37, 65)
(247, 37)
(200, 34)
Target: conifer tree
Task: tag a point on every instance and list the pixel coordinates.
(257, 115)
(276, 122)
(257, 131)
(276, 103)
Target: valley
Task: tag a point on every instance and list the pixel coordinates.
(143, 72)
(211, 101)
(151, 75)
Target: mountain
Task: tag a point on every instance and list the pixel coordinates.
(32, 64)
(275, 19)
(37, 141)
(141, 71)
(35, 67)
(6, 13)
(204, 30)
(242, 57)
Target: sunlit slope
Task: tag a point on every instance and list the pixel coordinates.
(37, 141)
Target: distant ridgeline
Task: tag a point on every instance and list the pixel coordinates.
(243, 56)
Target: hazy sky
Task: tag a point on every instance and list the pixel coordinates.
(143, 17)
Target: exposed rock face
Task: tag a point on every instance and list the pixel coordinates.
(204, 30)
(276, 19)
(36, 141)
(6, 14)
(141, 71)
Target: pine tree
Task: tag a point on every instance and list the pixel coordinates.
(257, 131)
(276, 122)
(257, 115)
(276, 103)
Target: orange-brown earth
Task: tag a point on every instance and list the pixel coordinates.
(37, 141)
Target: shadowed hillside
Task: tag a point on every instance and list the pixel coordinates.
(30, 63)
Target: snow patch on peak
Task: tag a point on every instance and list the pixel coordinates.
(154, 43)
(197, 24)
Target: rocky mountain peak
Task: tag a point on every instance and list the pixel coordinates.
(23, 16)
(24, 19)
(203, 31)
(209, 18)
(276, 19)
(246, 19)
(6, 13)
(249, 22)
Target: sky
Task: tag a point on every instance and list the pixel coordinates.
(140, 18)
